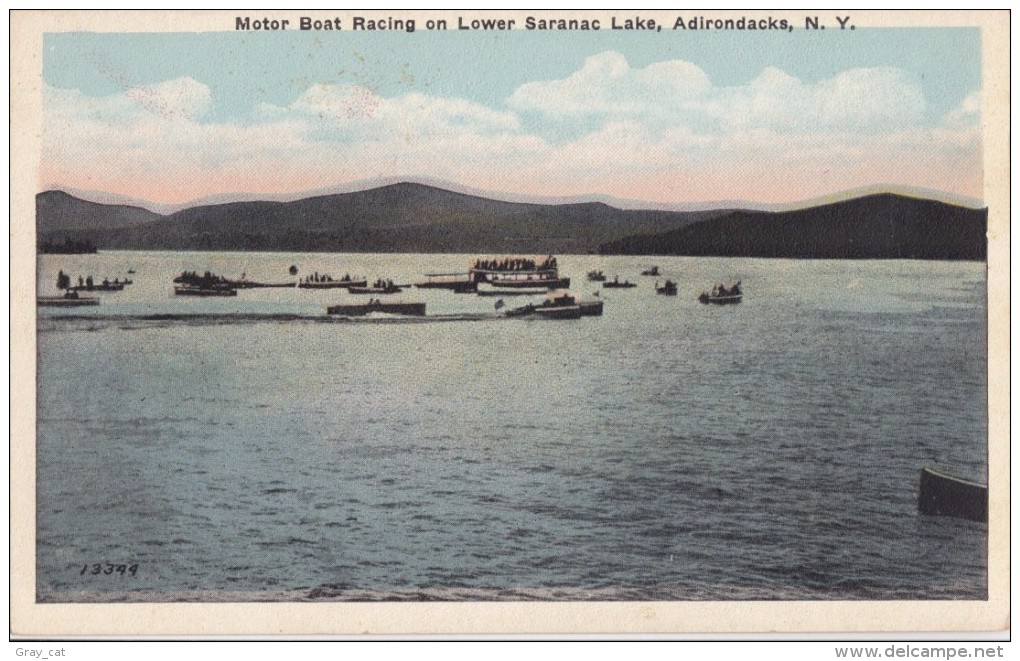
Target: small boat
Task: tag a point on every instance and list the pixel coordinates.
(942, 494)
(375, 305)
(380, 286)
(459, 283)
(188, 290)
(68, 300)
(560, 305)
(720, 295)
(596, 276)
(616, 284)
(667, 289)
(652, 270)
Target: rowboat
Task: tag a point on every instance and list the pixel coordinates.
(942, 494)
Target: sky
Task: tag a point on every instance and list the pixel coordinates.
(672, 118)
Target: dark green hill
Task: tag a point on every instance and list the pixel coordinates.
(882, 226)
(57, 211)
(398, 218)
(412, 217)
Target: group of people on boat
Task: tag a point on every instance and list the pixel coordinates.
(515, 264)
(87, 282)
(721, 290)
(207, 279)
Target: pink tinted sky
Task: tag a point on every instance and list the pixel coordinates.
(663, 131)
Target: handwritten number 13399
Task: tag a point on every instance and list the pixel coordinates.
(108, 568)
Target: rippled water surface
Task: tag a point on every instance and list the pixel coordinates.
(252, 448)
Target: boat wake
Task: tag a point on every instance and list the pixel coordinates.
(163, 320)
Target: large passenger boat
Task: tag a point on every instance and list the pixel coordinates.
(518, 272)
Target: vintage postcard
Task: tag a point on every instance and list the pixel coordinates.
(476, 322)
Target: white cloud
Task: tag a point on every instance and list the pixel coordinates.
(679, 93)
(606, 85)
(607, 128)
(355, 112)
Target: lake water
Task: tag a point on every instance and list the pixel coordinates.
(252, 448)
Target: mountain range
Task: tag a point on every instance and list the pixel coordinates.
(414, 217)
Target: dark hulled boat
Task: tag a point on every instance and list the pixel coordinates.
(720, 300)
(590, 308)
(942, 494)
(667, 289)
(616, 284)
(188, 290)
(720, 295)
(558, 306)
(458, 283)
(362, 309)
(380, 286)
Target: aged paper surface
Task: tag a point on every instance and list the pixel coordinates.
(46, 88)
